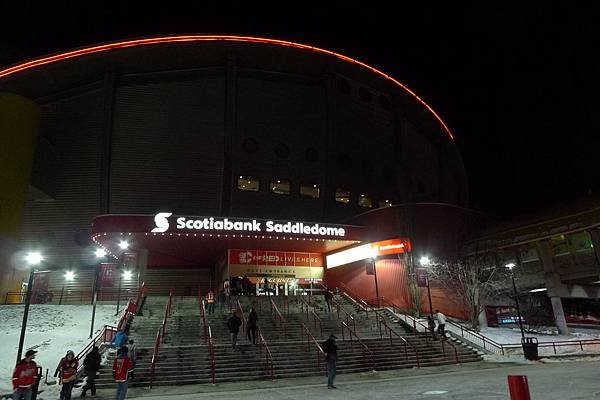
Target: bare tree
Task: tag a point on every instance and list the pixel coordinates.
(471, 281)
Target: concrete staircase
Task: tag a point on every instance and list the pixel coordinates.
(184, 358)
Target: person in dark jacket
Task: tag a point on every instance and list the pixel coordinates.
(252, 325)
(431, 325)
(328, 298)
(330, 349)
(25, 377)
(233, 324)
(91, 366)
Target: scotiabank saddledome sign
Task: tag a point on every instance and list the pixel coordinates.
(166, 222)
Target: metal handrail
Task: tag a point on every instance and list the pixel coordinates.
(309, 336)
(282, 321)
(154, 359)
(486, 343)
(166, 316)
(213, 361)
(105, 336)
(364, 346)
(139, 295)
(239, 305)
(360, 302)
(309, 312)
(381, 321)
(268, 355)
(414, 321)
(349, 317)
(205, 325)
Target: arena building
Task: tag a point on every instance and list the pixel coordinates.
(192, 160)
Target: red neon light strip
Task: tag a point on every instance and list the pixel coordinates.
(197, 38)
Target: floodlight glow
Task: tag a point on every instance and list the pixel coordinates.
(34, 258)
(69, 275)
(100, 253)
(127, 275)
(123, 244)
(510, 266)
(424, 261)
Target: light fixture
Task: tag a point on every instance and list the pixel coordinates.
(127, 275)
(510, 266)
(424, 261)
(538, 290)
(100, 253)
(34, 258)
(69, 275)
(123, 244)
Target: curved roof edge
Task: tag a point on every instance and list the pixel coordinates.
(198, 38)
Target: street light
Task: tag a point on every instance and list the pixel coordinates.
(32, 260)
(123, 244)
(426, 262)
(100, 254)
(510, 267)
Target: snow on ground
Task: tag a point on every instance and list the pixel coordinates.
(511, 335)
(51, 330)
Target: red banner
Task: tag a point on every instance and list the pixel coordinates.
(108, 272)
(421, 277)
(276, 258)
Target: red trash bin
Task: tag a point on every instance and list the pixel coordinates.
(518, 387)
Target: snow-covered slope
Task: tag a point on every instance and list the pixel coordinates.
(51, 330)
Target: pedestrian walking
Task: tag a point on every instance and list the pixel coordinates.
(431, 325)
(221, 301)
(328, 298)
(67, 371)
(120, 339)
(122, 367)
(252, 325)
(330, 349)
(210, 299)
(233, 324)
(25, 377)
(91, 366)
(132, 355)
(441, 320)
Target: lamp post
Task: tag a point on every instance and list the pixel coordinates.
(100, 254)
(510, 267)
(32, 259)
(425, 262)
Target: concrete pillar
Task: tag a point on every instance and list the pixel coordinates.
(559, 315)
(554, 285)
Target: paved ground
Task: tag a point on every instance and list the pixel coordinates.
(548, 381)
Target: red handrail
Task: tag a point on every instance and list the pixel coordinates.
(268, 356)
(320, 353)
(166, 316)
(207, 335)
(213, 361)
(381, 321)
(154, 359)
(239, 305)
(305, 307)
(349, 317)
(279, 316)
(105, 336)
(138, 298)
(363, 305)
(203, 314)
(364, 346)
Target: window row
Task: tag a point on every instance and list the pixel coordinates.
(284, 187)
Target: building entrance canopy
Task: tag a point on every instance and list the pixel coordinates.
(178, 240)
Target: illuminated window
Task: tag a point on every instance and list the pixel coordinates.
(342, 195)
(248, 183)
(280, 186)
(310, 190)
(385, 203)
(365, 201)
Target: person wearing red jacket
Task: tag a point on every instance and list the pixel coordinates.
(25, 377)
(122, 367)
(67, 368)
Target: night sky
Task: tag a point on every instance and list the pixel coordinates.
(518, 84)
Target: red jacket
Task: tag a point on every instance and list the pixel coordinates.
(68, 369)
(122, 366)
(25, 375)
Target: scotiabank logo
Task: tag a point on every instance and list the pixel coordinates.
(161, 222)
